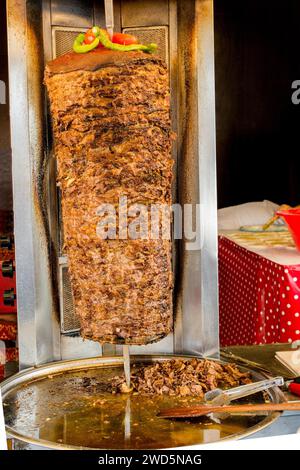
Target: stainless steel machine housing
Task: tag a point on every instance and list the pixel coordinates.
(37, 32)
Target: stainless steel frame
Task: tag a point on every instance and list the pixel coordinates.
(37, 316)
(35, 207)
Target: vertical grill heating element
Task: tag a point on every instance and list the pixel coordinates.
(69, 321)
(39, 31)
(62, 39)
(157, 34)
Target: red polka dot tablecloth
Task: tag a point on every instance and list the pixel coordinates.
(259, 298)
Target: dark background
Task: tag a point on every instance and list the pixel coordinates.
(257, 46)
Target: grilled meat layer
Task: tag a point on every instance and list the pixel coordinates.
(181, 377)
(111, 122)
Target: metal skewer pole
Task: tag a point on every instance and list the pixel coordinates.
(109, 21)
(109, 16)
(127, 420)
(126, 356)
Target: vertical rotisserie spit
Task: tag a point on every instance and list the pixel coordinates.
(111, 120)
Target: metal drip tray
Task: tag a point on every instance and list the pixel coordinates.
(66, 405)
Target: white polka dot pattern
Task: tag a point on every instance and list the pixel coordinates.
(259, 299)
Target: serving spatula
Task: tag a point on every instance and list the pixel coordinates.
(202, 410)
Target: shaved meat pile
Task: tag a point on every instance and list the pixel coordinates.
(178, 377)
(111, 120)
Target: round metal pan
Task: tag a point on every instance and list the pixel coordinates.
(26, 407)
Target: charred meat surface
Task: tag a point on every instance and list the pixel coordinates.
(178, 377)
(111, 121)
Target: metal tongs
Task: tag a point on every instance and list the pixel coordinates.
(224, 397)
(217, 402)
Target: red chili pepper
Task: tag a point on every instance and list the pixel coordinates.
(125, 39)
(294, 388)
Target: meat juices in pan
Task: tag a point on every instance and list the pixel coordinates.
(111, 121)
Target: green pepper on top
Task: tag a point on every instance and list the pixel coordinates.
(97, 37)
(80, 47)
(121, 47)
